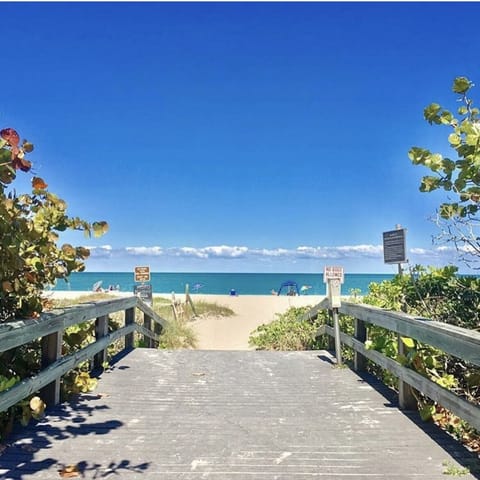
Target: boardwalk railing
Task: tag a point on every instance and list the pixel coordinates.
(50, 327)
(456, 341)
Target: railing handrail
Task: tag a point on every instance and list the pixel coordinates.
(457, 341)
(20, 332)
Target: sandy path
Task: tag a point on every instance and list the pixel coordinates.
(229, 333)
(232, 333)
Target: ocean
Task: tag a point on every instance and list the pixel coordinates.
(219, 283)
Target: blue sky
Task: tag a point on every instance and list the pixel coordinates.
(268, 137)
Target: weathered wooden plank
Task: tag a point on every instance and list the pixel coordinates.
(57, 369)
(406, 398)
(129, 321)
(101, 330)
(233, 416)
(13, 334)
(359, 360)
(460, 407)
(148, 334)
(151, 313)
(456, 341)
(147, 325)
(51, 352)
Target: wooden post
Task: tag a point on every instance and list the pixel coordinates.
(331, 340)
(406, 399)
(101, 329)
(129, 320)
(157, 328)
(189, 300)
(51, 352)
(336, 328)
(147, 323)
(359, 361)
(174, 307)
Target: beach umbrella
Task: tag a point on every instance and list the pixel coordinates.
(97, 285)
(197, 287)
(304, 288)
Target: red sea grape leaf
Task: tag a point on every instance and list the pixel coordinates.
(11, 136)
(38, 183)
(21, 164)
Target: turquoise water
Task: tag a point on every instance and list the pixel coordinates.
(219, 283)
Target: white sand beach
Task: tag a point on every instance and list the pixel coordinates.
(232, 333)
(228, 333)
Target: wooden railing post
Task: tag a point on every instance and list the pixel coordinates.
(101, 329)
(330, 340)
(406, 399)
(147, 323)
(129, 320)
(336, 329)
(51, 352)
(359, 360)
(158, 330)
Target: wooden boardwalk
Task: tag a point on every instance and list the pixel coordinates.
(195, 415)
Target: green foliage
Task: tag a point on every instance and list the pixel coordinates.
(454, 470)
(30, 224)
(460, 177)
(438, 294)
(31, 260)
(287, 332)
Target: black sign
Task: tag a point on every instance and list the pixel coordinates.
(394, 250)
(144, 292)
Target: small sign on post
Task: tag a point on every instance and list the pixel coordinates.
(144, 292)
(142, 274)
(333, 276)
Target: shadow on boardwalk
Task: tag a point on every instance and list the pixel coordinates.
(63, 423)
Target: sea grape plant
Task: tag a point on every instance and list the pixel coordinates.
(459, 176)
(30, 225)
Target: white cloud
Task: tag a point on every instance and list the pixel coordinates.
(421, 251)
(220, 251)
(265, 252)
(235, 252)
(232, 253)
(343, 251)
(104, 251)
(362, 257)
(145, 251)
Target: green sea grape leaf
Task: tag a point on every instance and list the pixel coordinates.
(461, 85)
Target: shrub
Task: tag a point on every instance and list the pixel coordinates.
(287, 332)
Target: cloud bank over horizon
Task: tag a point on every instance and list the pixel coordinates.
(233, 257)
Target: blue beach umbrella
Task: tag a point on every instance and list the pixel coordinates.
(197, 287)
